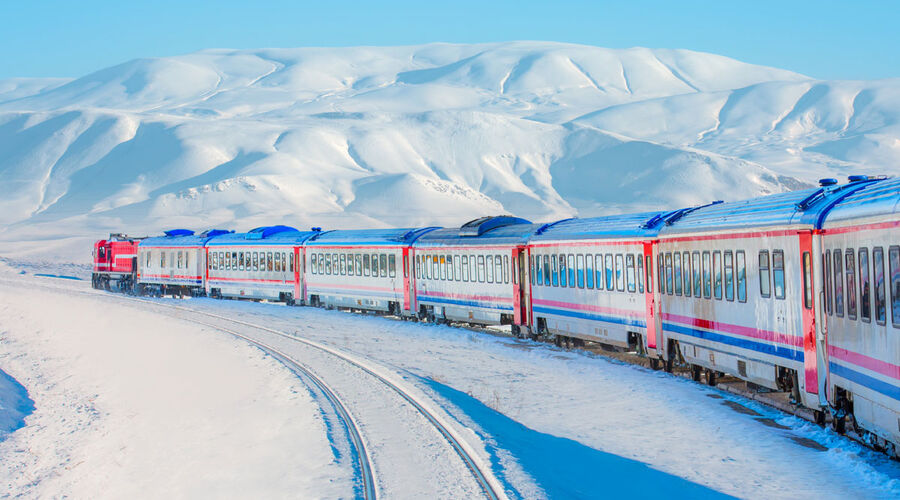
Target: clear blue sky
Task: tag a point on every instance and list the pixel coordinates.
(825, 38)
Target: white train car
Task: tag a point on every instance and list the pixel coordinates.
(737, 290)
(260, 264)
(477, 273)
(175, 263)
(366, 269)
(592, 280)
(861, 267)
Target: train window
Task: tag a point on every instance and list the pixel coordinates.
(382, 265)
(579, 267)
(563, 275)
(865, 294)
(489, 267)
(610, 277)
(553, 273)
(376, 267)
(778, 273)
(620, 275)
(227, 260)
(807, 281)
(570, 267)
(629, 272)
(547, 270)
(358, 264)
(464, 268)
(531, 263)
(247, 261)
(707, 276)
(255, 261)
(180, 261)
(697, 274)
(350, 270)
(765, 283)
(676, 272)
(481, 268)
(649, 260)
(894, 269)
(729, 275)
(321, 264)
(589, 270)
(598, 271)
(148, 257)
(270, 264)
(283, 263)
(457, 268)
(670, 289)
(443, 268)
(428, 266)
(498, 269)
(740, 264)
(506, 268)
(717, 274)
(343, 265)
(829, 289)
(328, 264)
(241, 261)
(392, 266)
(473, 269)
(878, 284)
(687, 273)
(850, 289)
(418, 268)
(235, 259)
(537, 276)
(661, 274)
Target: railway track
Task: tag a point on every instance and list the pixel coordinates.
(489, 486)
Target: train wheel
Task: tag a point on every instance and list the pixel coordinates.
(710, 377)
(669, 364)
(696, 372)
(654, 363)
(838, 424)
(819, 417)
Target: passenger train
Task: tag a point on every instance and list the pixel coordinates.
(796, 292)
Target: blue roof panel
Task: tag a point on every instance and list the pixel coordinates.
(644, 224)
(284, 237)
(877, 198)
(182, 238)
(512, 234)
(402, 236)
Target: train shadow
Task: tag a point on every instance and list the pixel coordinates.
(564, 468)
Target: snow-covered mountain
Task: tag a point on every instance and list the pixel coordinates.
(433, 134)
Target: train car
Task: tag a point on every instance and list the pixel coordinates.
(736, 290)
(592, 279)
(175, 263)
(114, 263)
(860, 253)
(366, 269)
(261, 264)
(476, 274)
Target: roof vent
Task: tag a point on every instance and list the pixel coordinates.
(858, 178)
(215, 232)
(316, 229)
(262, 233)
(482, 225)
(172, 233)
(827, 182)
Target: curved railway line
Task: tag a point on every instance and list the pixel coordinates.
(487, 483)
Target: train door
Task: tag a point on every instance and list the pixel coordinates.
(651, 301)
(521, 288)
(408, 292)
(808, 314)
(409, 280)
(299, 278)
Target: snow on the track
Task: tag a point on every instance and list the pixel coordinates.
(595, 417)
(132, 404)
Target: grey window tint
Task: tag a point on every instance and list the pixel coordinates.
(598, 271)
(687, 273)
(717, 274)
(765, 280)
(670, 289)
(629, 272)
(878, 285)
(865, 294)
(850, 261)
(740, 264)
(620, 276)
(579, 268)
(571, 268)
(729, 275)
(894, 255)
(610, 277)
(707, 276)
(640, 273)
(392, 265)
(547, 270)
(553, 269)
(563, 274)
(778, 273)
(676, 270)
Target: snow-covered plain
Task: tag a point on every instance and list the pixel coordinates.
(399, 136)
(557, 424)
(130, 404)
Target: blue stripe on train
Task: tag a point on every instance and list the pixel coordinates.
(889, 390)
(621, 320)
(772, 350)
(470, 303)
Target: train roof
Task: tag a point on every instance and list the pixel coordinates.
(494, 230)
(266, 235)
(645, 224)
(183, 238)
(369, 237)
(806, 207)
(876, 199)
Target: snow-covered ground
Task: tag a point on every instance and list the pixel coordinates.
(130, 404)
(435, 134)
(125, 408)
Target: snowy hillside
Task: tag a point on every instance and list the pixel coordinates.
(434, 134)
